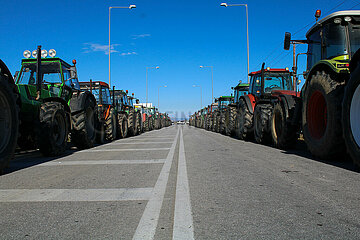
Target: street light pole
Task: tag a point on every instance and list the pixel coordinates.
(159, 95)
(212, 81)
(129, 7)
(247, 32)
(157, 67)
(200, 94)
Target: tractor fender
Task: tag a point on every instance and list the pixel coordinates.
(77, 102)
(250, 102)
(292, 106)
(60, 100)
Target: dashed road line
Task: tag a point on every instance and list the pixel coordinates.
(183, 222)
(74, 195)
(147, 226)
(101, 162)
(124, 150)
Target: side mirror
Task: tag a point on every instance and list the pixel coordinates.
(73, 73)
(287, 41)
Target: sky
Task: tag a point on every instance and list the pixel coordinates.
(178, 36)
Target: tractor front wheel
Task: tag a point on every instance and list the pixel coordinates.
(53, 129)
(244, 123)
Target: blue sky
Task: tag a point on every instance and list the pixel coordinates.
(178, 36)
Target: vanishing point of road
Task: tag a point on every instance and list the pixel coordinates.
(179, 182)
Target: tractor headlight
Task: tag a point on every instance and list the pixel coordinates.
(27, 54)
(347, 19)
(34, 54)
(44, 53)
(52, 53)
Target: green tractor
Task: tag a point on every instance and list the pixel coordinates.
(52, 105)
(106, 121)
(9, 118)
(222, 115)
(122, 109)
(232, 111)
(329, 112)
(136, 116)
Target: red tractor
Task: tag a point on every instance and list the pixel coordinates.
(255, 108)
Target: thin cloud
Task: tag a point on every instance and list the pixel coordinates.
(140, 36)
(128, 53)
(95, 47)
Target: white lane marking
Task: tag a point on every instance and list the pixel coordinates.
(183, 221)
(149, 220)
(74, 195)
(124, 150)
(101, 162)
(120, 143)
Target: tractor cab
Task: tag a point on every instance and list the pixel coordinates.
(99, 89)
(224, 101)
(266, 81)
(332, 42)
(43, 77)
(240, 90)
(120, 99)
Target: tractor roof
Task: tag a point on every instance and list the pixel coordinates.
(242, 86)
(270, 70)
(329, 18)
(94, 84)
(225, 97)
(55, 59)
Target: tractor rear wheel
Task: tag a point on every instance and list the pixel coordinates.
(131, 123)
(283, 133)
(83, 132)
(231, 111)
(54, 129)
(321, 116)
(146, 124)
(110, 126)
(262, 114)
(244, 122)
(222, 122)
(351, 116)
(123, 126)
(9, 120)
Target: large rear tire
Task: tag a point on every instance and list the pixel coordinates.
(131, 123)
(230, 128)
(284, 134)
(262, 115)
(9, 120)
(222, 122)
(351, 116)
(146, 124)
(83, 132)
(54, 129)
(321, 116)
(244, 122)
(110, 126)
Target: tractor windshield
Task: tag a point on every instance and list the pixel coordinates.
(105, 95)
(51, 73)
(224, 103)
(277, 81)
(354, 32)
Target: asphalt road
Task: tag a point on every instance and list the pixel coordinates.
(179, 182)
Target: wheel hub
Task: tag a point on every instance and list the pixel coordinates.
(317, 115)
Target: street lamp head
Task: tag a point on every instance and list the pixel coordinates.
(194, 85)
(201, 66)
(132, 6)
(165, 85)
(223, 4)
(157, 67)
